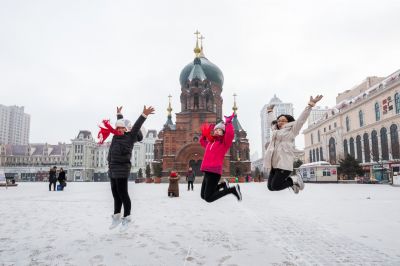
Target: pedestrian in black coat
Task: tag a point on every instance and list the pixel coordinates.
(53, 178)
(61, 179)
(119, 163)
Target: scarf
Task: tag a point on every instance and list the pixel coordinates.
(106, 131)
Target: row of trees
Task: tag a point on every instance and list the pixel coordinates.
(157, 169)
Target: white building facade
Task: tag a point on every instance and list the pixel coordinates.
(365, 124)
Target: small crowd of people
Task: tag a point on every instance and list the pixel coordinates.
(53, 178)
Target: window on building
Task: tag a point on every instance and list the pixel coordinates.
(347, 124)
(361, 118)
(367, 151)
(377, 112)
(321, 154)
(319, 136)
(312, 138)
(397, 102)
(384, 144)
(345, 147)
(332, 151)
(375, 146)
(394, 141)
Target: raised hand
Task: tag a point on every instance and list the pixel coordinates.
(148, 111)
(313, 101)
(228, 119)
(270, 108)
(119, 109)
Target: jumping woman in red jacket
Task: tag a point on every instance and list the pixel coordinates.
(216, 140)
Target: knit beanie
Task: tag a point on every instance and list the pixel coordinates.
(220, 125)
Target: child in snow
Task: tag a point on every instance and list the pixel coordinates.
(119, 161)
(216, 140)
(279, 156)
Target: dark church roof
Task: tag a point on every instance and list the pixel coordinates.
(202, 69)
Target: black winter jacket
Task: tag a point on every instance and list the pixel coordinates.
(120, 153)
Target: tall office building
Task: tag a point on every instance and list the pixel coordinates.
(14, 125)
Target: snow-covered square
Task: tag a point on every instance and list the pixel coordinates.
(326, 224)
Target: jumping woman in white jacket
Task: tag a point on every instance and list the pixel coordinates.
(279, 156)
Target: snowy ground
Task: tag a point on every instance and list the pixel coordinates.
(327, 224)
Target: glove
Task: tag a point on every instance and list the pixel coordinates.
(228, 119)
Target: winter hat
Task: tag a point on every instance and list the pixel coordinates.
(120, 123)
(128, 124)
(220, 125)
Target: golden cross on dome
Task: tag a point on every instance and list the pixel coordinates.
(197, 50)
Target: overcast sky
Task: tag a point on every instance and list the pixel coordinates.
(70, 63)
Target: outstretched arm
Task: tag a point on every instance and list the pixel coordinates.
(304, 115)
(139, 122)
(229, 131)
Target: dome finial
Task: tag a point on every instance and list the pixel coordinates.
(197, 49)
(234, 108)
(201, 46)
(169, 109)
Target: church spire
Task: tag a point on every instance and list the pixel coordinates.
(169, 122)
(234, 108)
(169, 109)
(197, 49)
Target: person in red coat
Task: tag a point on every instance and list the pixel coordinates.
(216, 140)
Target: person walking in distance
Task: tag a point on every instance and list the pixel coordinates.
(119, 161)
(279, 155)
(53, 178)
(190, 177)
(216, 140)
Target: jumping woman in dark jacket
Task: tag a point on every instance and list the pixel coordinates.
(119, 163)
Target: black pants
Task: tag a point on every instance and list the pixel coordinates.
(279, 179)
(54, 185)
(190, 183)
(119, 189)
(210, 189)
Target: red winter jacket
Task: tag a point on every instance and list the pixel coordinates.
(213, 160)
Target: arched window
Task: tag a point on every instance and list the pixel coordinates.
(384, 144)
(345, 148)
(319, 136)
(375, 147)
(317, 153)
(359, 149)
(311, 157)
(367, 151)
(332, 151)
(377, 112)
(321, 154)
(397, 102)
(394, 141)
(312, 138)
(361, 118)
(352, 148)
(347, 123)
